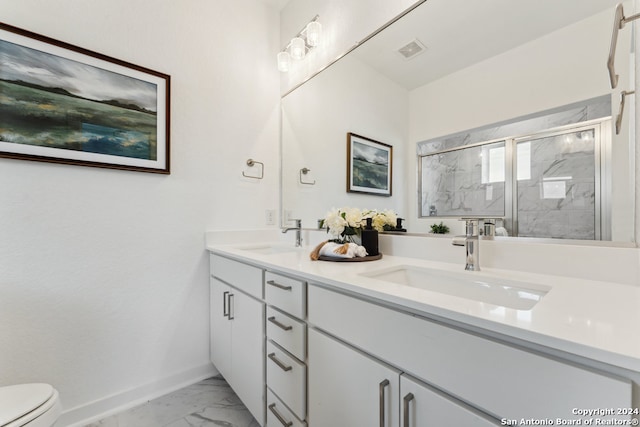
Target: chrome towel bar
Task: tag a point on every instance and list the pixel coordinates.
(619, 22)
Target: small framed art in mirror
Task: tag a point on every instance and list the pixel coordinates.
(369, 166)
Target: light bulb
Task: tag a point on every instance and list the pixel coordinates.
(314, 31)
(298, 48)
(284, 61)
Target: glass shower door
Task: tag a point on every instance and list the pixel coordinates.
(557, 191)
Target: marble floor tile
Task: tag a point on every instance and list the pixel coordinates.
(208, 403)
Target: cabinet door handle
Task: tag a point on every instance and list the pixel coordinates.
(275, 360)
(273, 320)
(384, 384)
(225, 307)
(405, 408)
(230, 317)
(280, 418)
(278, 285)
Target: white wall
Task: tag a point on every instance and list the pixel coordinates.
(348, 97)
(344, 23)
(103, 273)
(563, 67)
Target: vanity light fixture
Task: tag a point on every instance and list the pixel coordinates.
(314, 32)
(284, 61)
(298, 48)
(307, 39)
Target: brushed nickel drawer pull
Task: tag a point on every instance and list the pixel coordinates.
(408, 398)
(231, 306)
(275, 360)
(278, 285)
(273, 320)
(382, 387)
(280, 418)
(225, 308)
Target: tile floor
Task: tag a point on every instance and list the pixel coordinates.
(207, 403)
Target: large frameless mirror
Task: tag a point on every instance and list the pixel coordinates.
(481, 68)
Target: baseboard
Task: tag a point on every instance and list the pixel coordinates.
(98, 409)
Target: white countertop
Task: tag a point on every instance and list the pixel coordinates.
(592, 319)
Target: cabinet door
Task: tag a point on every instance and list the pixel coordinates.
(247, 352)
(348, 388)
(423, 406)
(220, 351)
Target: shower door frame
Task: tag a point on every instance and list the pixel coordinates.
(602, 174)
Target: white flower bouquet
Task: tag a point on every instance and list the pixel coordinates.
(346, 224)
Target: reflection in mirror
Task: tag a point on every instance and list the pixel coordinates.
(464, 182)
(500, 62)
(557, 178)
(316, 119)
(552, 177)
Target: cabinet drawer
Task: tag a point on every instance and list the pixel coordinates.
(287, 332)
(497, 378)
(242, 276)
(278, 415)
(288, 294)
(287, 378)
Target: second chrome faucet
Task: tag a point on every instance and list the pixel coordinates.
(472, 240)
(298, 229)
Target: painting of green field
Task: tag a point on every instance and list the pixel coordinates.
(53, 118)
(370, 167)
(369, 175)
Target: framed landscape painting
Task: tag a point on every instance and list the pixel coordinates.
(65, 104)
(368, 166)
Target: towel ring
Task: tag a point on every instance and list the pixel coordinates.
(252, 163)
(305, 171)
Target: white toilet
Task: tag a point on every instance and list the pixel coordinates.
(29, 405)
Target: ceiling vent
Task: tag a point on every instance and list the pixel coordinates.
(412, 49)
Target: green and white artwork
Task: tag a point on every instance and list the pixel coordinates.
(369, 166)
(60, 104)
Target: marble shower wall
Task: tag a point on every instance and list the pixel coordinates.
(557, 197)
(453, 184)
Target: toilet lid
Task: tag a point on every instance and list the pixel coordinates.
(18, 400)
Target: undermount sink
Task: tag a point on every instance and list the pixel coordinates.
(501, 292)
(268, 249)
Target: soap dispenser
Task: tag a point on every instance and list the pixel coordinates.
(370, 238)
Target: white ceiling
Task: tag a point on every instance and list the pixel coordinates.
(459, 33)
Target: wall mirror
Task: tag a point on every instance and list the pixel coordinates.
(453, 67)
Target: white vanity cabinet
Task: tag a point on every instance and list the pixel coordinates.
(348, 387)
(496, 380)
(304, 354)
(237, 330)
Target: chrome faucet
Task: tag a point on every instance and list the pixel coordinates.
(298, 229)
(474, 228)
(472, 245)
